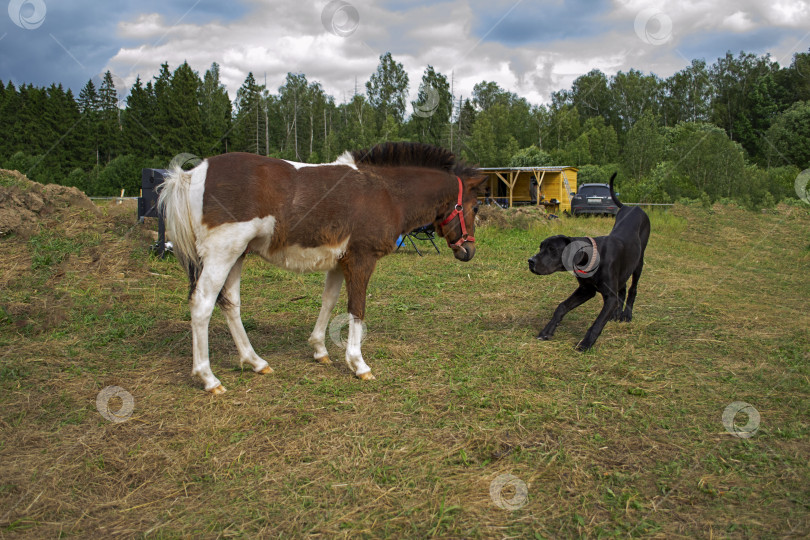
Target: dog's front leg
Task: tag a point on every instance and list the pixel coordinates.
(608, 309)
(579, 296)
(620, 304)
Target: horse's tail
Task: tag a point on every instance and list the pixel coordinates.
(174, 205)
(616, 201)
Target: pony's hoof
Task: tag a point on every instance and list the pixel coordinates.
(217, 390)
(265, 370)
(324, 360)
(367, 376)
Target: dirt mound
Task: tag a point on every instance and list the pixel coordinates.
(23, 202)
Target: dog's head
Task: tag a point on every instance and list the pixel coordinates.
(549, 258)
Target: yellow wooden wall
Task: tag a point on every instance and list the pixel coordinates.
(552, 186)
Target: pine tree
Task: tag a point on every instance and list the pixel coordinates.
(161, 123)
(137, 121)
(73, 118)
(88, 130)
(215, 112)
(9, 106)
(185, 133)
(109, 119)
(249, 130)
(59, 121)
(464, 125)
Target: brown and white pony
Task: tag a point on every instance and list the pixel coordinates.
(338, 218)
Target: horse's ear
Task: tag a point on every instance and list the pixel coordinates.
(476, 183)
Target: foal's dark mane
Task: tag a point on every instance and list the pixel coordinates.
(403, 154)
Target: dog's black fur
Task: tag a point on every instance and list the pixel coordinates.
(620, 255)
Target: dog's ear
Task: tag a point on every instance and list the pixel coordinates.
(562, 241)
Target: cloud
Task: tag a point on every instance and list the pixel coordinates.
(77, 39)
(531, 48)
(738, 22)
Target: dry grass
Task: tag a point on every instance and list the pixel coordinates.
(626, 440)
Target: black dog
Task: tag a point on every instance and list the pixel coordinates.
(601, 264)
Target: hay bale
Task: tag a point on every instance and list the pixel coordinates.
(520, 217)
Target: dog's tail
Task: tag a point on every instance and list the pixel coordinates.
(616, 201)
(174, 205)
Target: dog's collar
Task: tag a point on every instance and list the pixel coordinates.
(592, 262)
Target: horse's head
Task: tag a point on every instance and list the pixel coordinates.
(458, 224)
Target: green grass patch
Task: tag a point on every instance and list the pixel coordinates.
(627, 440)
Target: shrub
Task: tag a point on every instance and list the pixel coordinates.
(124, 172)
(20, 162)
(77, 178)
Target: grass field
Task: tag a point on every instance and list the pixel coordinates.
(625, 440)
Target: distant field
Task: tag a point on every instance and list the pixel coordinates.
(625, 440)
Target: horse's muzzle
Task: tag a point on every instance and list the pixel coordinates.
(465, 252)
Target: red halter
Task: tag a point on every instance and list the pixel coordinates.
(458, 211)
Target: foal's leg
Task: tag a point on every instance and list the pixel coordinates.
(331, 293)
(214, 273)
(230, 302)
(357, 273)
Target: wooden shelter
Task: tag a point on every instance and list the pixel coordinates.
(510, 186)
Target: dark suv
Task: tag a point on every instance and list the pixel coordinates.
(593, 199)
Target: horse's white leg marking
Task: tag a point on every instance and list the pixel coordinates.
(331, 292)
(215, 272)
(231, 308)
(219, 249)
(354, 357)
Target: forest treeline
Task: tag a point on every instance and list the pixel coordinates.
(738, 128)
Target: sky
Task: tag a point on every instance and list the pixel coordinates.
(532, 48)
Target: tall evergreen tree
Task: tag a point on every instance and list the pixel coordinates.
(185, 131)
(464, 124)
(109, 119)
(215, 112)
(249, 133)
(161, 123)
(9, 107)
(138, 121)
(88, 131)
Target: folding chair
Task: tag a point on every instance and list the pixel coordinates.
(426, 232)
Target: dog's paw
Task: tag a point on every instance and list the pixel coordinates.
(582, 346)
(626, 317)
(544, 337)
